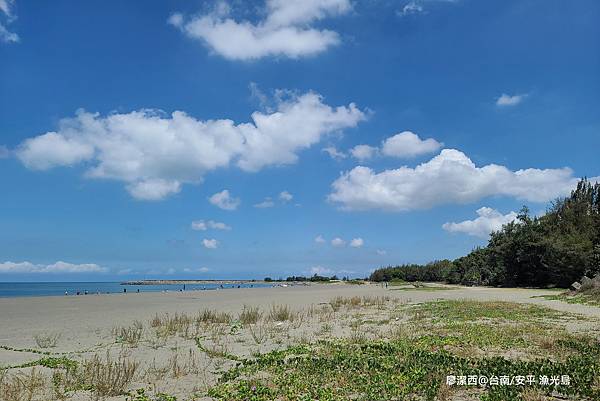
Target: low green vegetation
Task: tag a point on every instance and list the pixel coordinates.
(584, 299)
(387, 370)
(315, 278)
(553, 250)
(413, 360)
(50, 362)
(462, 310)
(140, 395)
(350, 348)
(422, 287)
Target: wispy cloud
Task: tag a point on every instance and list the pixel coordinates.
(198, 270)
(58, 267)
(7, 8)
(201, 225)
(414, 7)
(334, 153)
(4, 152)
(505, 100)
(265, 204)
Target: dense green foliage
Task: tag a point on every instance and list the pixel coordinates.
(313, 278)
(555, 249)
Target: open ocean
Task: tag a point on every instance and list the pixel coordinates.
(59, 288)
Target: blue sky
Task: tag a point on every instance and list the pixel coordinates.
(139, 139)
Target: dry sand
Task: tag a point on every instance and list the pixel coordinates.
(85, 323)
(81, 316)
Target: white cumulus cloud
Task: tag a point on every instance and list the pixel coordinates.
(408, 144)
(403, 145)
(450, 177)
(285, 31)
(338, 242)
(285, 196)
(58, 267)
(357, 242)
(153, 189)
(224, 200)
(363, 152)
(155, 154)
(210, 243)
(489, 220)
(508, 100)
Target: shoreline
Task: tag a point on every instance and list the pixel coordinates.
(176, 282)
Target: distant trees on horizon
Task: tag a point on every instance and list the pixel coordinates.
(313, 278)
(555, 249)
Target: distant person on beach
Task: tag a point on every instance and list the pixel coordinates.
(124, 290)
(138, 290)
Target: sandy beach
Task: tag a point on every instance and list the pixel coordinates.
(89, 325)
(81, 316)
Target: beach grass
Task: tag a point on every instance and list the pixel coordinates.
(363, 347)
(582, 299)
(412, 362)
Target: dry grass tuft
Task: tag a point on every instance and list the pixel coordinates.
(21, 386)
(109, 377)
(249, 315)
(356, 302)
(281, 313)
(129, 335)
(259, 332)
(46, 340)
(211, 316)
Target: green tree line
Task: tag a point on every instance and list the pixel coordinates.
(555, 249)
